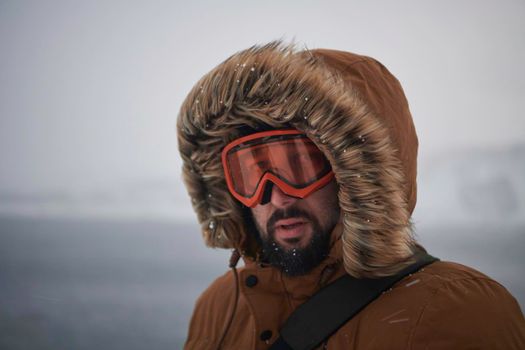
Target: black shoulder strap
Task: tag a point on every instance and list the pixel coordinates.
(331, 307)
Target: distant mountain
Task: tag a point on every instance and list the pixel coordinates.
(473, 187)
(155, 199)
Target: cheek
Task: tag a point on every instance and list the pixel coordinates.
(328, 205)
(260, 216)
(328, 212)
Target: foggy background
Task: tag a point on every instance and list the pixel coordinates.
(99, 246)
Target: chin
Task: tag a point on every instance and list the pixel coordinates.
(296, 243)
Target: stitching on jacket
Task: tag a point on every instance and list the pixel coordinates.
(445, 282)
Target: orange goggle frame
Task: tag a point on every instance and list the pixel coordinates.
(287, 158)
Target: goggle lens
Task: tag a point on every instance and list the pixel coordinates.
(288, 158)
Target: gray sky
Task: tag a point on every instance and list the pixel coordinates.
(90, 90)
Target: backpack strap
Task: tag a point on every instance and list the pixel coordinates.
(327, 310)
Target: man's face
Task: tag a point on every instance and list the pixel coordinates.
(296, 232)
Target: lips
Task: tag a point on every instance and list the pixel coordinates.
(290, 229)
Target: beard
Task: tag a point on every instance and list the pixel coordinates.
(295, 261)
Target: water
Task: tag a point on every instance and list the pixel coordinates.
(72, 284)
(100, 285)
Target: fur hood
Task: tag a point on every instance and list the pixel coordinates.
(349, 105)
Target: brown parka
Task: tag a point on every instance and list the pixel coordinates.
(356, 113)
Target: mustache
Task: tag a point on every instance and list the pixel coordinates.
(279, 214)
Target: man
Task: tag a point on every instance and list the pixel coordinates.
(304, 163)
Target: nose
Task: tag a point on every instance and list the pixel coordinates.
(280, 199)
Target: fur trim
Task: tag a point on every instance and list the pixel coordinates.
(319, 92)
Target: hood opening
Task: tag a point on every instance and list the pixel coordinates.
(349, 105)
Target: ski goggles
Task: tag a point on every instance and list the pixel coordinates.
(286, 158)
